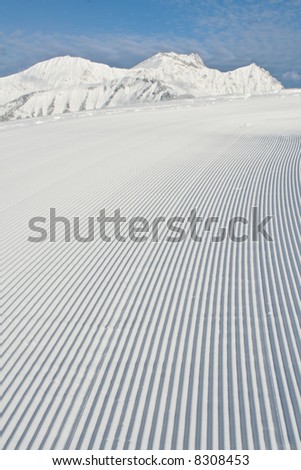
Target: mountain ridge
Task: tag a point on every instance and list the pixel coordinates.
(71, 84)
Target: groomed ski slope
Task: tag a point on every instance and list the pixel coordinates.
(153, 345)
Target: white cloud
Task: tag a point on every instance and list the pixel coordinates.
(20, 50)
(292, 75)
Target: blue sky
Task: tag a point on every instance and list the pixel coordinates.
(225, 33)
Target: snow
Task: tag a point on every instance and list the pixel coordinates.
(65, 84)
(152, 345)
(170, 60)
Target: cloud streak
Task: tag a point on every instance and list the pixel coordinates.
(20, 50)
(292, 76)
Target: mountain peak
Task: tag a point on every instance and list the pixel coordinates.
(67, 71)
(170, 59)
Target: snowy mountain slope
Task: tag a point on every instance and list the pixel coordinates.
(188, 75)
(66, 84)
(57, 73)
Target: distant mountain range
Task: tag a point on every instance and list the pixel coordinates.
(70, 84)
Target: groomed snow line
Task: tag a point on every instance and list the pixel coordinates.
(153, 345)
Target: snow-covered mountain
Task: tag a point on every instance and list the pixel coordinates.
(70, 84)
